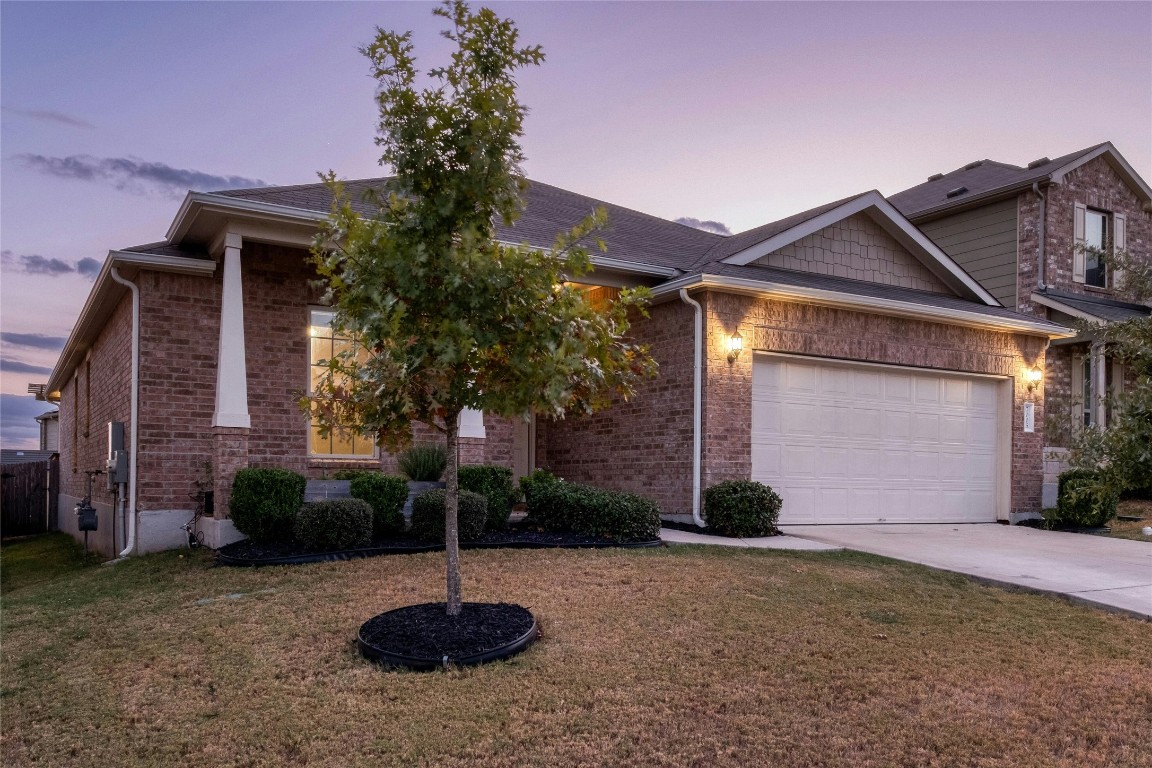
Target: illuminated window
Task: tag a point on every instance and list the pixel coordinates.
(599, 296)
(323, 345)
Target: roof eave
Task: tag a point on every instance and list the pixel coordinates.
(197, 203)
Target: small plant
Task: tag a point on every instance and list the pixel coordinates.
(423, 462)
(428, 515)
(533, 485)
(742, 508)
(1078, 503)
(265, 501)
(578, 508)
(495, 484)
(352, 474)
(334, 524)
(386, 495)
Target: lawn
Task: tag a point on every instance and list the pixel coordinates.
(667, 657)
(1132, 529)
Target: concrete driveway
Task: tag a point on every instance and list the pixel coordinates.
(1115, 574)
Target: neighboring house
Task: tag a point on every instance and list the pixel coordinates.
(839, 355)
(49, 430)
(1017, 230)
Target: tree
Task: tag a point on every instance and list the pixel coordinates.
(444, 316)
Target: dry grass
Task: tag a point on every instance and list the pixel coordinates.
(671, 657)
(1132, 529)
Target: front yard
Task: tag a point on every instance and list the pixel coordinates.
(674, 657)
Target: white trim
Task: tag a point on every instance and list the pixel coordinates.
(1115, 159)
(766, 289)
(471, 424)
(906, 233)
(197, 202)
(312, 455)
(1066, 309)
(870, 364)
(231, 355)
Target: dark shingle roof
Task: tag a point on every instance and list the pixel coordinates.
(631, 235)
(988, 176)
(24, 456)
(1108, 310)
(168, 249)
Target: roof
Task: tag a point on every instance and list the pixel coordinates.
(631, 235)
(24, 456)
(169, 249)
(1098, 308)
(980, 178)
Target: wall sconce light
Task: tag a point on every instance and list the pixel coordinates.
(1032, 377)
(735, 344)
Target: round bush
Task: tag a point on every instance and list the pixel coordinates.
(742, 508)
(386, 495)
(334, 524)
(428, 515)
(494, 484)
(533, 485)
(1077, 504)
(265, 501)
(561, 506)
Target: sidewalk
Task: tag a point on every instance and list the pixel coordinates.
(765, 542)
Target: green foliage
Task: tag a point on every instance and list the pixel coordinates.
(334, 524)
(1080, 503)
(742, 508)
(386, 495)
(265, 501)
(423, 463)
(494, 484)
(428, 515)
(349, 474)
(577, 508)
(533, 485)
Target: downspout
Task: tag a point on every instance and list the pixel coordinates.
(130, 512)
(696, 410)
(1040, 231)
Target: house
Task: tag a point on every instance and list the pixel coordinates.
(839, 355)
(1020, 231)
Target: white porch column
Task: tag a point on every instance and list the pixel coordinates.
(231, 370)
(1099, 385)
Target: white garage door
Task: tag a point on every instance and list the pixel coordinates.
(844, 443)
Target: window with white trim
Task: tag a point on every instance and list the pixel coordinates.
(323, 345)
(1097, 237)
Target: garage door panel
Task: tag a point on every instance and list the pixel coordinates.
(845, 444)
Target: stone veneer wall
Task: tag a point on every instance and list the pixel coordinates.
(782, 326)
(860, 249)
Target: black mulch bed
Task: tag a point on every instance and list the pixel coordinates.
(516, 536)
(706, 530)
(425, 637)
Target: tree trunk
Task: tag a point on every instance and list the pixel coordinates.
(451, 525)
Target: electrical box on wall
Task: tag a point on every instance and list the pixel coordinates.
(117, 457)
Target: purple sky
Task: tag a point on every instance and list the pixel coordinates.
(740, 113)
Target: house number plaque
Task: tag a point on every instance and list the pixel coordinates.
(1029, 417)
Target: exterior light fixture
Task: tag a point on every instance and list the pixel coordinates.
(735, 344)
(1032, 376)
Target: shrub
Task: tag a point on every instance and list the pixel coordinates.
(386, 495)
(494, 484)
(423, 462)
(265, 501)
(428, 515)
(1078, 504)
(532, 485)
(577, 508)
(334, 524)
(742, 508)
(352, 474)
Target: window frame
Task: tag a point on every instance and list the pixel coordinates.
(1097, 277)
(311, 366)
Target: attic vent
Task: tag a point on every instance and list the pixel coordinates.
(935, 176)
(956, 192)
(1038, 163)
(976, 164)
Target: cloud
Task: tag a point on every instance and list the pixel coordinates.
(18, 427)
(34, 264)
(715, 227)
(133, 175)
(33, 340)
(51, 116)
(8, 365)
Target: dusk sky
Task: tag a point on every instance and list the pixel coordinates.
(740, 113)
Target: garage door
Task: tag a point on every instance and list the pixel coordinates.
(844, 443)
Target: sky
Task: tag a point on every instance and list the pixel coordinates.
(737, 113)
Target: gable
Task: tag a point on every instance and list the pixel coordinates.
(859, 249)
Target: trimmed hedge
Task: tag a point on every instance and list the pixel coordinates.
(386, 495)
(423, 463)
(1077, 505)
(428, 515)
(494, 484)
(534, 484)
(334, 524)
(742, 508)
(265, 501)
(561, 506)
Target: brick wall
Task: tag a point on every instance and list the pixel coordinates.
(860, 249)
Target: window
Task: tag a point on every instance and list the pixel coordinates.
(1097, 238)
(323, 345)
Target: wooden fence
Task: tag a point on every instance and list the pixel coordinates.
(30, 497)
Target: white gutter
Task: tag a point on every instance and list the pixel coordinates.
(130, 513)
(876, 305)
(696, 410)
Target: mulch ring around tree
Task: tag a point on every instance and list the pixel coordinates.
(425, 637)
(516, 536)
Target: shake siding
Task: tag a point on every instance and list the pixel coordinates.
(983, 242)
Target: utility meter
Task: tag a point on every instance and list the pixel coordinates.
(117, 466)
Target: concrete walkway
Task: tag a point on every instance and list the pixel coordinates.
(766, 542)
(1114, 574)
